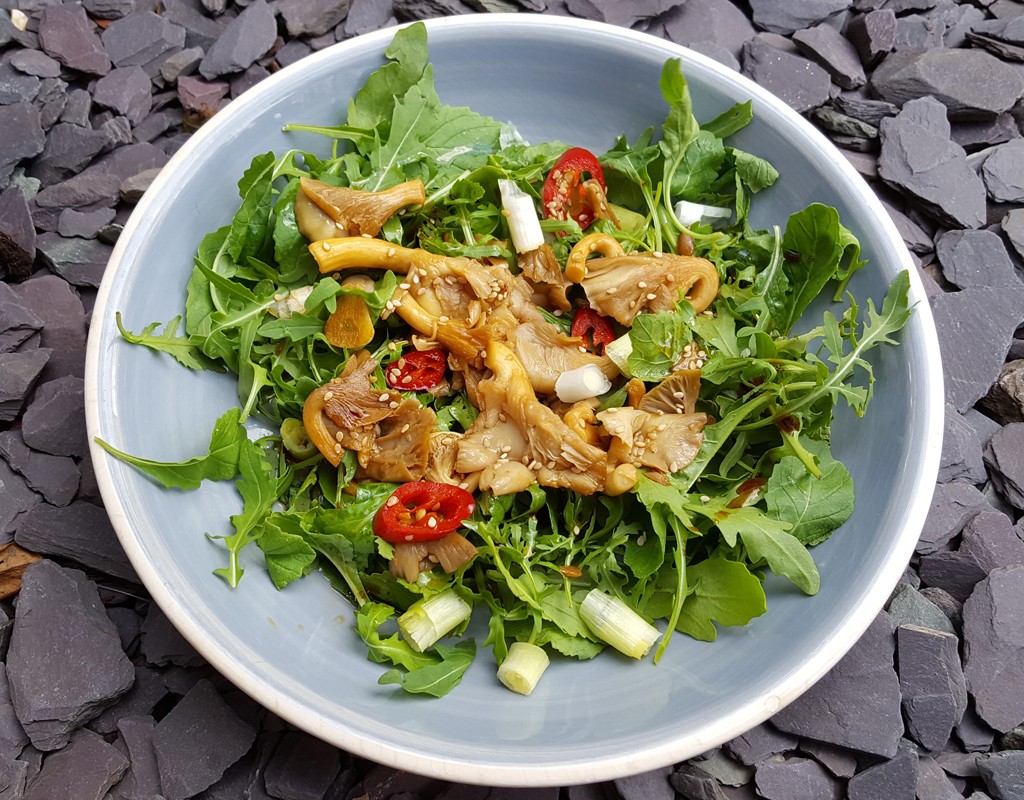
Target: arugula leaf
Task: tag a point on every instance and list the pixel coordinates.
(698, 167)
(435, 680)
(813, 507)
(768, 538)
(680, 127)
(249, 227)
(220, 462)
(392, 649)
(658, 341)
(374, 103)
(286, 553)
(730, 121)
(722, 591)
(180, 347)
(755, 172)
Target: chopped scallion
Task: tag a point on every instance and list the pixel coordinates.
(429, 619)
(522, 667)
(614, 622)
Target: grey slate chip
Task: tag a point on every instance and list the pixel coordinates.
(12, 736)
(54, 477)
(54, 421)
(1003, 774)
(23, 136)
(184, 62)
(16, 222)
(365, 16)
(35, 62)
(651, 785)
(247, 37)
(865, 109)
(947, 604)
(975, 327)
(13, 776)
(839, 761)
(961, 451)
(140, 38)
(1005, 459)
(16, 86)
(1013, 227)
(196, 94)
(109, 9)
(932, 684)
(780, 16)
(67, 34)
(1003, 172)
(796, 779)
(84, 224)
(139, 701)
(382, 782)
(84, 770)
(915, 32)
(60, 308)
(88, 191)
(857, 704)
(717, 21)
(81, 262)
(18, 374)
(127, 621)
(913, 235)
(972, 84)
(831, 120)
(717, 768)
(928, 166)
(302, 767)
(976, 258)
(910, 607)
(142, 780)
(81, 532)
(799, 83)
(65, 662)
(16, 498)
(830, 49)
(615, 12)
(197, 741)
(933, 783)
(312, 17)
(988, 541)
(163, 645)
(69, 149)
(126, 90)
(758, 743)
(993, 651)
(408, 10)
(1005, 400)
(200, 29)
(974, 733)
(975, 134)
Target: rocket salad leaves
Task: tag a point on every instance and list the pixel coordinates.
(689, 548)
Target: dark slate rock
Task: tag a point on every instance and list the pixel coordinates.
(829, 48)
(933, 783)
(17, 325)
(975, 258)
(83, 224)
(127, 621)
(857, 704)
(914, 236)
(993, 651)
(983, 424)
(23, 136)
(142, 780)
(1003, 172)
(67, 34)
(972, 84)
(200, 30)
(365, 16)
(959, 20)
(9, 32)
(312, 17)
(13, 776)
(837, 760)
(16, 222)
(86, 192)
(134, 187)
(244, 778)
(796, 779)
(693, 781)
(246, 38)
(382, 782)
(910, 607)
(865, 163)
(54, 477)
(69, 149)
(760, 742)
(1003, 774)
(583, 791)
(651, 785)
(163, 645)
(928, 166)
(35, 62)
(116, 130)
(293, 51)
(831, 120)
(124, 162)
(157, 124)
(1005, 459)
(865, 109)
(961, 451)
(718, 21)
(60, 308)
(16, 498)
(65, 662)
(16, 86)
(109, 9)
(779, 16)
(616, 13)
(962, 765)
(80, 262)
(975, 328)
(184, 62)
(139, 701)
(915, 32)
(140, 38)
(974, 733)
(1005, 400)
(302, 767)
(408, 10)
(988, 542)
(54, 421)
(932, 683)
(1013, 227)
(84, 770)
(800, 83)
(197, 741)
(947, 604)
(126, 90)
(199, 95)
(81, 532)
(12, 736)
(246, 80)
(720, 768)
(18, 374)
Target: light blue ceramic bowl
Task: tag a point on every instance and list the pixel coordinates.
(296, 651)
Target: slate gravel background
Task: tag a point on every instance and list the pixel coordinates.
(101, 698)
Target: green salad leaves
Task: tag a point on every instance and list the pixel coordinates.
(690, 549)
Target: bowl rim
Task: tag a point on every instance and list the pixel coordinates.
(494, 772)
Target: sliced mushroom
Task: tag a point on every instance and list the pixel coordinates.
(358, 212)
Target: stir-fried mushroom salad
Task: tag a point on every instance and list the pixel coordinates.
(561, 388)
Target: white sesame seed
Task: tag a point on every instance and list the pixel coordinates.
(325, 245)
(383, 397)
(328, 395)
(391, 252)
(652, 296)
(431, 522)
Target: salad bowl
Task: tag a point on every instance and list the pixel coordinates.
(296, 650)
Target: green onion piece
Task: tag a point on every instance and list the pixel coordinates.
(429, 619)
(522, 667)
(619, 351)
(295, 439)
(614, 622)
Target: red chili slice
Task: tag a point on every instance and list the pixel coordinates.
(592, 328)
(422, 512)
(418, 370)
(564, 195)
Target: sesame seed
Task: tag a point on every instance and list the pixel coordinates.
(613, 290)
(325, 245)
(328, 395)
(405, 286)
(406, 379)
(391, 252)
(340, 436)
(392, 501)
(337, 448)
(658, 254)
(705, 499)
(383, 397)
(409, 537)
(652, 296)
(442, 319)
(393, 404)
(463, 485)
(642, 284)
(431, 522)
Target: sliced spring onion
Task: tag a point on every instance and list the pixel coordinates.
(690, 213)
(614, 622)
(522, 667)
(619, 351)
(581, 383)
(429, 619)
(523, 223)
(292, 303)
